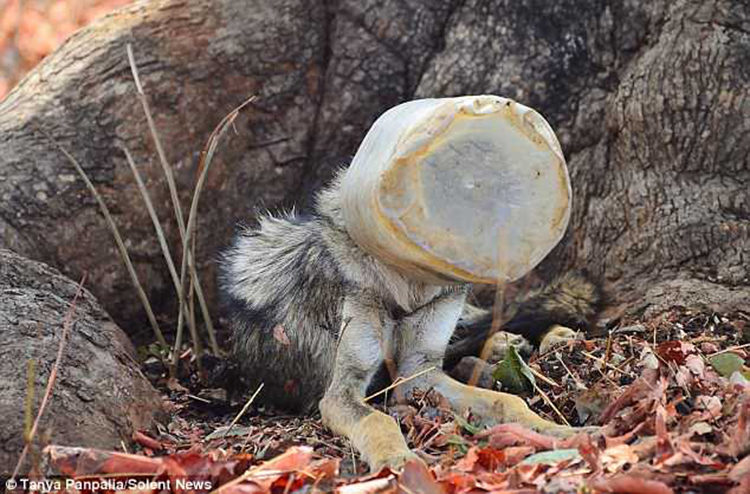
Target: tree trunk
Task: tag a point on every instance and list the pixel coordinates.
(100, 396)
(649, 98)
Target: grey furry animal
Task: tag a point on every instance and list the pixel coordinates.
(314, 317)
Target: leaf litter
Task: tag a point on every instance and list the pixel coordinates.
(674, 417)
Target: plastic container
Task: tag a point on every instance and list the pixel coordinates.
(473, 188)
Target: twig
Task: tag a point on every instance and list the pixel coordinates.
(118, 240)
(609, 366)
(399, 382)
(544, 378)
(549, 402)
(67, 325)
(730, 349)
(570, 373)
(198, 398)
(244, 409)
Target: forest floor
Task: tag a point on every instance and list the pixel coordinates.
(671, 393)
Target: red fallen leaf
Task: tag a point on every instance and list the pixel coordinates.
(590, 453)
(459, 481)
(684, 447)
(147, 441)
(740, 470)
(675, 351)
(467, 463)
(326, 468)
(295, 459)
(640, 388)
(381, 485)
(491, 459)
(740, 439)
(664, 446)
(280, 334)
(743, 488)
(88, 461)
(629, 484)
(194, 464)
(515, 454)
(625, 438)
(493, 482)
(418, 480)
(503, 435)
(711, 478)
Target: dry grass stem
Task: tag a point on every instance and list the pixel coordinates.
(398, 382)
(607, 365)
(542, 377)
(163, 244)
(67, 325)
(197, 347)
(120, 245)
(154, 220)
(29, 403)
(244, 409)
(180, 222)
(730, 349)
(204, 166)
(548, 401)
(578, 382)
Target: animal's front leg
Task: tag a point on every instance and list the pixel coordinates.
(422, 339)
(374, 434)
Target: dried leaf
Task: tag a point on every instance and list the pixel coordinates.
(147, 441)
(615, 458)
(629, 484)
(418, 479)
(382, 485)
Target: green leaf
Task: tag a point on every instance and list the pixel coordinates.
(727, 363)
(465, 425)
(552, 457)
(458, 441)
(513, 373)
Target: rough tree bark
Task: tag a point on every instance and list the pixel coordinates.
(650, 99)
(100, 396)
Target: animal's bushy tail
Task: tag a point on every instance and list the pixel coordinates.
(571, 300)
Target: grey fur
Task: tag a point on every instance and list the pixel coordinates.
(293, 271)
(289, 278)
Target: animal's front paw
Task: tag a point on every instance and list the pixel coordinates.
(556, 335)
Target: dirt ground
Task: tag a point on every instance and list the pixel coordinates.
(671, 395)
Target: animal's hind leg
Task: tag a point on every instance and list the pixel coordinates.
(422, 339)
(375, 435)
